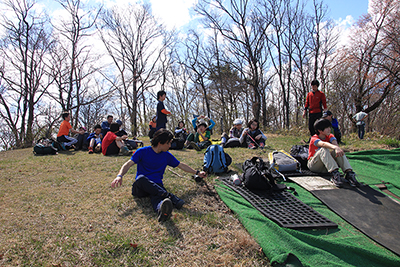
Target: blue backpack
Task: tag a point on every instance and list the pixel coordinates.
(216, 160)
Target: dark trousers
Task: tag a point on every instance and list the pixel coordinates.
(144, 187)
(313, 117)
(361, 131)
(161, 125)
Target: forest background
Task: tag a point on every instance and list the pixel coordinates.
(242, 59)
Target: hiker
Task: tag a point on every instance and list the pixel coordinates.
(252, 136)
(95, 139)
(113, 144)
(325, 155)
(196, 120)
(233, 140)
(152, 161)
(335, 125)
(161, 111)
(180, 131)
(131, 144)
(201, 139)
(63, 133)
(152, 126)
(105, 125)
(314, 102)
(359, 118)
(82, 139)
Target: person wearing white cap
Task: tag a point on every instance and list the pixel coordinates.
(233, 140)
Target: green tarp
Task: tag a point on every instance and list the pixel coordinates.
(345, 246)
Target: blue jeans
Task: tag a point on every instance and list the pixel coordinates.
(144, 187)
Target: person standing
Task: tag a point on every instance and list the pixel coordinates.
(315, 104)
(161, 111)
(360, 117)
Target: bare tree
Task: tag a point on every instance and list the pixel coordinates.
(74, 65)
(23, 53)
(240, 25)
(136, 42)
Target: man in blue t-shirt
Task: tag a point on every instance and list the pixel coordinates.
(151, 163)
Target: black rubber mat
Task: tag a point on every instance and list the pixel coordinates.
(370, 211)
(303, 173)
(282, 208)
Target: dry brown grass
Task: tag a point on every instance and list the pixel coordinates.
(60, 211)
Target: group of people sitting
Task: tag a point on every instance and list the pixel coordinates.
(107, 138)
(250, 137)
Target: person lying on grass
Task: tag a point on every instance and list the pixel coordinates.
(151, 163)
(325, 155)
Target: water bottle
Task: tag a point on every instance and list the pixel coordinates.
(235, 179)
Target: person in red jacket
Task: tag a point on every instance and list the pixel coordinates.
(315, 104)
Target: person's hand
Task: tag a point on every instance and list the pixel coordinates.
(117, 182)
(304, 114)
(198, 130)
(202, 174)
(339, 152)
(124, 137)
(258, 137)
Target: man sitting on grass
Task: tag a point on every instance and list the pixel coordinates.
(113, 144)
(322, 160)
(63, 133)
(151, 163)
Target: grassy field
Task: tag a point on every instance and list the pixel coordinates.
(60, 211)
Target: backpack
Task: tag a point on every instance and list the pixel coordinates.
(283, 162)
(256, 175)
(177, 143)
(216, 160)
(44, 146)
(300, 153)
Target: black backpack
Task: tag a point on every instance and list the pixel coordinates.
(45, 146)
(300, 152)
(256, 175)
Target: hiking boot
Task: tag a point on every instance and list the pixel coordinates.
(90, 150)
(63, 146)
(176, 201)
(195, 146)
(124, 151)
(179, 204)
(351, 178)
(164, 210)
(336, 179)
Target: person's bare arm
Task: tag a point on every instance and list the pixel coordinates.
(187, 168)
(338, 150)
(124, 169)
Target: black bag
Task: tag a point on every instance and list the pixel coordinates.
(256, 175)
(300, 153)
(44, 146)
(131, 144)
(177, 143)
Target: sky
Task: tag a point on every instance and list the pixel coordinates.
(176, 12)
